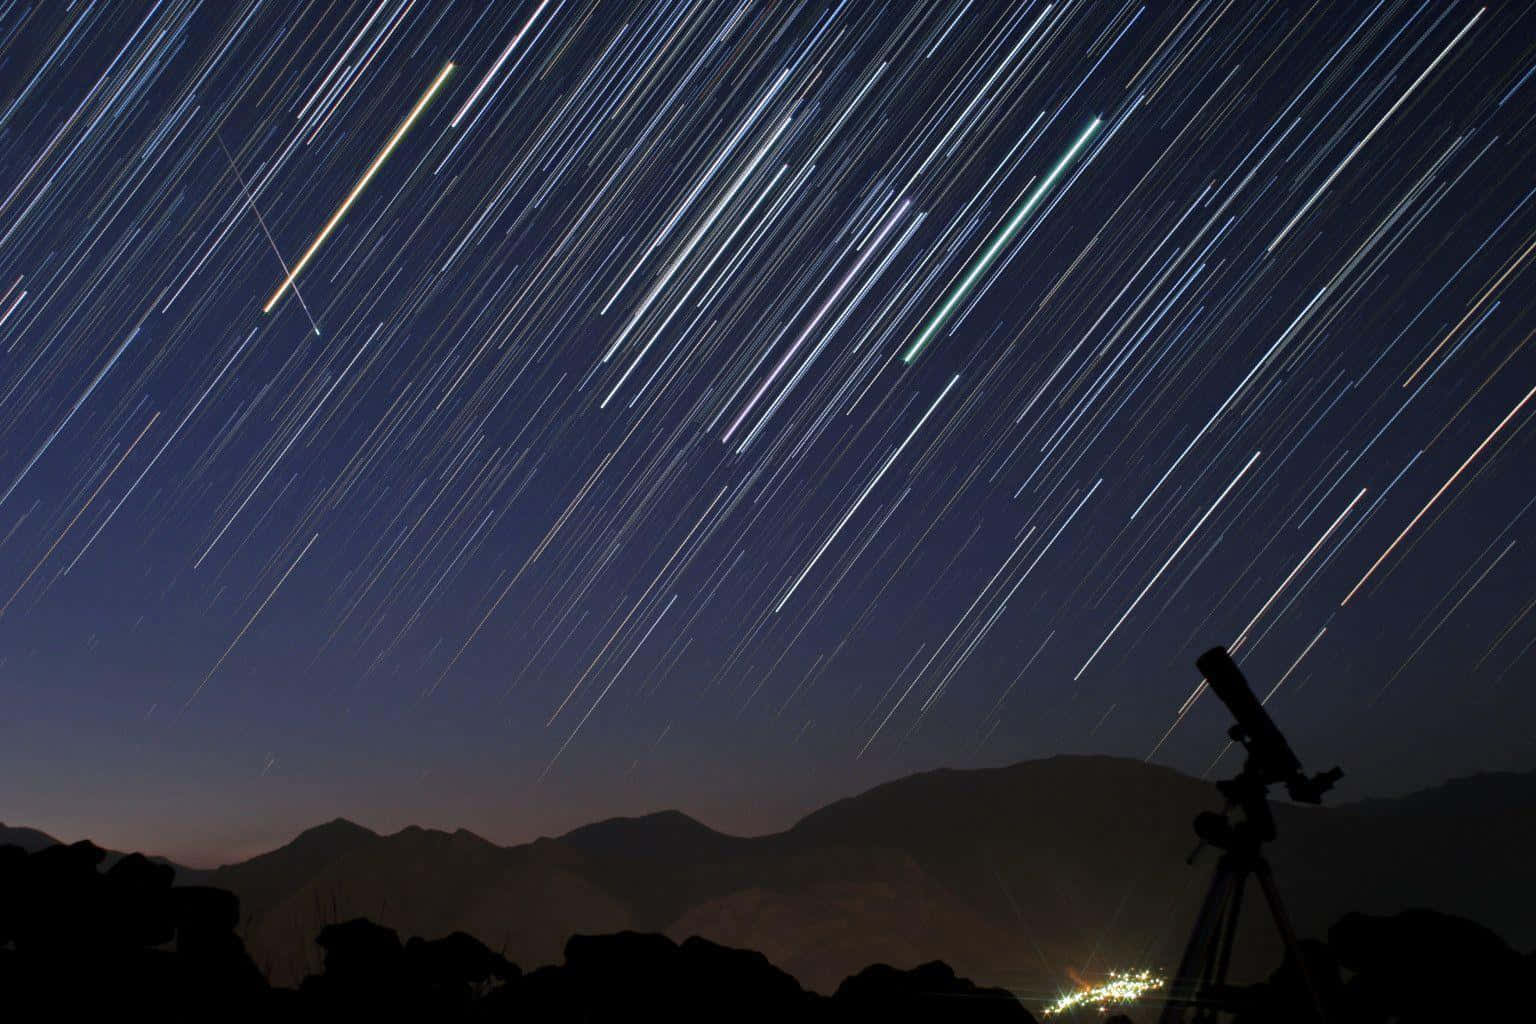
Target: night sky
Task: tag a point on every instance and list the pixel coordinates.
(506, 415)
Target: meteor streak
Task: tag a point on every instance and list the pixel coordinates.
(250, 201)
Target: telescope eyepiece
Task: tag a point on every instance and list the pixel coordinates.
(1310, 790)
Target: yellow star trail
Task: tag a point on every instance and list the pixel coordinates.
(362, 183)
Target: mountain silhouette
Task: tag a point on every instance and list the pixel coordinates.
(265, 879)
(1464, 848)
(79, 942)
(1489, 794)
(662, 834)
(31, 840)
(1015, 876)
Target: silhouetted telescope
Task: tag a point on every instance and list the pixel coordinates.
(1270, 758)
(1201, 985)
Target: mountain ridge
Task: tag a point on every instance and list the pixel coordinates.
(1072, 860)
(32, 840)
(1014, 874)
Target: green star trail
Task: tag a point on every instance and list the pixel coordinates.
(1000, 242)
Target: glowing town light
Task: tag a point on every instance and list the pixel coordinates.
(1121, 988)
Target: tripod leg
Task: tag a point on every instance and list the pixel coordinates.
(1196, 964)
(1213, 983)
(1230, 937)
(1288, 936)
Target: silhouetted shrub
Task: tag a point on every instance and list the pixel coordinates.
(631, 975)
(78, 941)
(929, 992)
(1288, 996)
(455, 969)
(1423, 966)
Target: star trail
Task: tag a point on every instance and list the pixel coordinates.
(507, 413)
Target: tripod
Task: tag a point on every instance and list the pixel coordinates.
(1202, 978)
(1270, 760)
(1201, 981)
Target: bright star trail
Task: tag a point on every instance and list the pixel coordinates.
(357, 190)
(734, 405)
(1004, 236)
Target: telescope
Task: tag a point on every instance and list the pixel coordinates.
(1270, 758)
(1201, 982)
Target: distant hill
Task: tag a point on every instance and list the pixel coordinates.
(1490, 793)
(29, 839)
(267, 878)
(1013, 875)
(32, 840)
(1463, 848)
